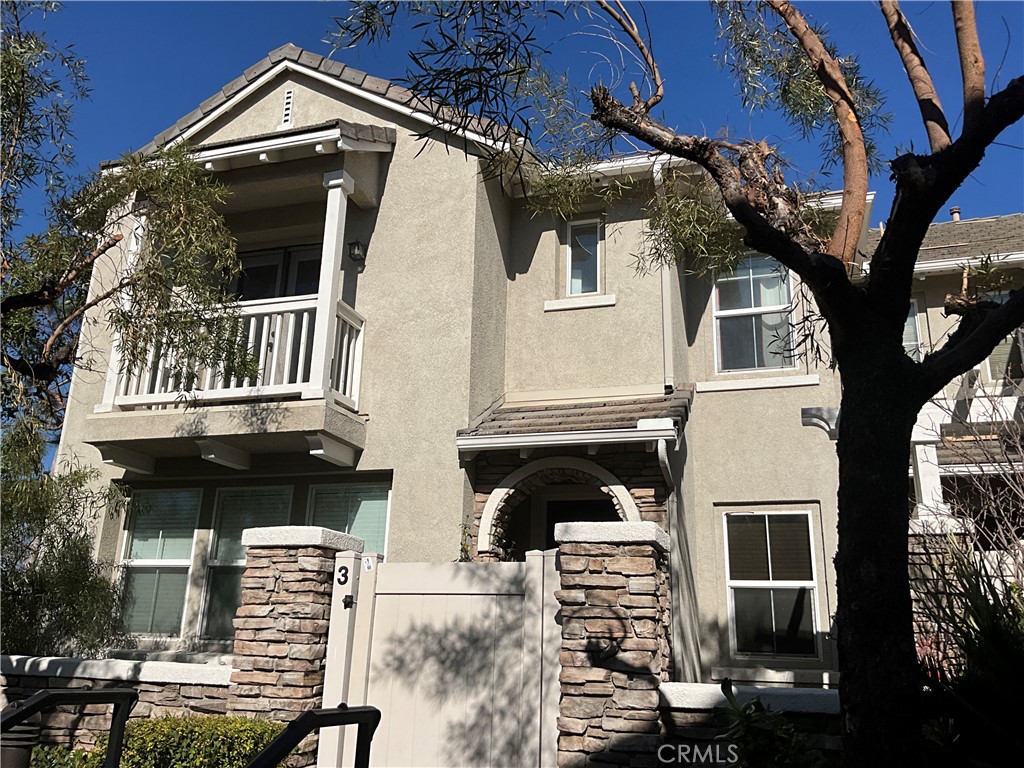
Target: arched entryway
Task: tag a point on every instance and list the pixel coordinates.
(558, 489)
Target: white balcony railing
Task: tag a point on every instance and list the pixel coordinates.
(279, 333)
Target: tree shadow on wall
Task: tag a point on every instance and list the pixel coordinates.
(452, 677)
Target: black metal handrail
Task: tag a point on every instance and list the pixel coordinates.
(367, 718)
(123, 699)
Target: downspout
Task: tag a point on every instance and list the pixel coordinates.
(685, 643)
(666, 292)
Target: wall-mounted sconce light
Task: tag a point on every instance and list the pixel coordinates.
(357, 251)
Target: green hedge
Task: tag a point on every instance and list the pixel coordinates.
(174, 742)
(60, 757)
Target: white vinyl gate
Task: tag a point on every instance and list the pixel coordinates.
(461, 659)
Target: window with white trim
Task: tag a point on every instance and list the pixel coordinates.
(583, 259)
(360, 510)
(752, 307)
(1006, 363)
(912, 334)
(770, 576)
(157, 559)
(237, 509)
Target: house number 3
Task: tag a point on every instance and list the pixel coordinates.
(343, 575)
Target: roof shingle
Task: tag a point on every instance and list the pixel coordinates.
(575, 416)
(967, 239)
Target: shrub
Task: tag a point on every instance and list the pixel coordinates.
(193, 742)
(765, 739)
(62, 757)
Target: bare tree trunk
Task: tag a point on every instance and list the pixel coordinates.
(880, 686)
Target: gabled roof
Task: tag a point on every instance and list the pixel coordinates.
(373, 87)
(967, 238)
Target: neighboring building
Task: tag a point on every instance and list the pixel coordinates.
(445, 375)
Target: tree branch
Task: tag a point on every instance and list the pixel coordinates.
(761, 204)
(51, 291)
(972, 64)
(628, 25)
(67, 321)
(934, 118)
(924, 183)
(843, 244)
(973, 340)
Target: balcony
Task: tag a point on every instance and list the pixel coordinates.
(281, 337)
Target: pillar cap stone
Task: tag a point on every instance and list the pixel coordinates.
(301, 536)
(612, 533)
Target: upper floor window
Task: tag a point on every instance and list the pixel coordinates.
(912, 334)
(275, 272)
(158, 556)
(752, 309)
(770, 573)
(1006, 363)
(583, 263)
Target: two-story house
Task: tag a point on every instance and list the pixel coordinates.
(445, 375)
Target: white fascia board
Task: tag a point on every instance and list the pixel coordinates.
(647, 164)
(274, 144)
(986, 468)
(949, 266)
(373, 98)
(575, 437)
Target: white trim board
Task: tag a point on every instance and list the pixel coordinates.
(702, 696)
(772, 382)
(653, 430)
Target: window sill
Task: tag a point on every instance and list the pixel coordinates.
(791, 671)
(580, 302)
(772, 382)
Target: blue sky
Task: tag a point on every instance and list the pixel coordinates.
(152, 62)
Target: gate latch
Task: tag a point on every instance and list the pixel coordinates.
(348, 601)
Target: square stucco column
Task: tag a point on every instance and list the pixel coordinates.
(616, 615)
(339, 186)
(281, 627)
(927, 479)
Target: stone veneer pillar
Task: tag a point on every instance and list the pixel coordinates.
(282, 624)
(616, 615)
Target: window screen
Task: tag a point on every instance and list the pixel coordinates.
(583, 257)
(158, 558)
(771, 581)
(360, 510)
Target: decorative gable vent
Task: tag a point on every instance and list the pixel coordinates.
(286, 111)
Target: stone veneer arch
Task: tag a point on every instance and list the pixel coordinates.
(497, 501)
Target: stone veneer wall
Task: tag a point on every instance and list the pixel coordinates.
(616, 616)
(281, 626)
(165, 688)
(636, 468)
(929, 565)
(281, 631)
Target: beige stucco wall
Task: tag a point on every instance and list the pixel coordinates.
(432, 291)
(577, 349)
(748, 450)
